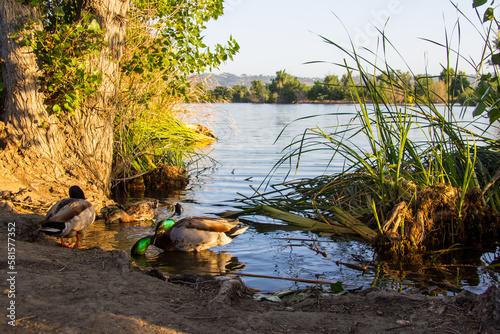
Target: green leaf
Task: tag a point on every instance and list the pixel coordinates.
(494, 114)
(337, 287)
(94, 26)
(478, 3)
(58, 11)
(480, 108)
(488, 15)
(495, 59)
(56, 109)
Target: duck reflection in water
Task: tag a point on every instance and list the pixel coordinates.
(203, 262)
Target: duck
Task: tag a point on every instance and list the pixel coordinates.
(69, 216)
(190, 234)
(133, 212)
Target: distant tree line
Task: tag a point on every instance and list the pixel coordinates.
(285, 88)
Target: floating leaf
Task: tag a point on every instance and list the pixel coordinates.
(337, 287)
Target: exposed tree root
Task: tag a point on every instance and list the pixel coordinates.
(438, 217)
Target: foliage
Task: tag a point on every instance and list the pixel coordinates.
(220, 93)
(258, 92)
(65, 47)
(240, 93)
(150, 139)
(331, 89)
(486, 93)
(165, 37)
(456, 83)
(164, 48)
(285, 88)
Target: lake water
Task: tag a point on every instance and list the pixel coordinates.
(246, 152)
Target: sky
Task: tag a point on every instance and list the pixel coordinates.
(285, 34)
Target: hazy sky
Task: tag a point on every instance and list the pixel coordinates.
(284, 34)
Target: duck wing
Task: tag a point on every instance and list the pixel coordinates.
(197, 233)
(68, 215)
(68, 208)
(61, 205)
(209, 224)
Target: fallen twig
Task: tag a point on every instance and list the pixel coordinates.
(303, 239)
(352, 266)
(303, 280)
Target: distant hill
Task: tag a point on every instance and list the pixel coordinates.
(230, 80)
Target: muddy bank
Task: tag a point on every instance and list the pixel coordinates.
(60, 290)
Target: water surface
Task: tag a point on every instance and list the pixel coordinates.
(247, 149)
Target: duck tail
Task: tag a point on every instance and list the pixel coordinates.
(52, 228)
(235, 231)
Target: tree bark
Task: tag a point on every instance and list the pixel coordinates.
(45, 151)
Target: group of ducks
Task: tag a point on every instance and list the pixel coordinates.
(72, 216)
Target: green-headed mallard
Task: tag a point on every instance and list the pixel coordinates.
(190, 234)
(69, 216)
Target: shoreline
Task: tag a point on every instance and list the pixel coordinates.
(63, 290)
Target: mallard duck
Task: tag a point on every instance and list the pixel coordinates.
(190, 234)
(69, 216)
(133, 212)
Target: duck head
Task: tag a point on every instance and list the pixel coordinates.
(76, 192)
(164, 225)
(140, 247)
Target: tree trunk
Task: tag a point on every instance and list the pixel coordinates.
(44, 151)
